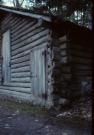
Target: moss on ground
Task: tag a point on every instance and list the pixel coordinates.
(24, 107)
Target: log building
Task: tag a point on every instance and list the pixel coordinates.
(43, 58)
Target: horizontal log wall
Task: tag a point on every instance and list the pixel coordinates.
(81, 65)
(25, 34)
(0, 56)
(0, 69)
(61, 68)
(72, 67)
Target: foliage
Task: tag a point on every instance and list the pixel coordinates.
(22, 106)
(77, 11)
(1, 2)
(18, 3)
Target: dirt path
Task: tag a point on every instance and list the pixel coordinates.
(15, 122)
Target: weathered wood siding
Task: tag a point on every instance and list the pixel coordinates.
(81, 66)
(26, 33)
(72, 68)
(61, 73)
(0, 70)
(68, 63)
(0, 57)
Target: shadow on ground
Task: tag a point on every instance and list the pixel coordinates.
(23, 119)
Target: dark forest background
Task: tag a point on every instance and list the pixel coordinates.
(77, 11)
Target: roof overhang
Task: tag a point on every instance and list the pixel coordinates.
(58, 25)
(76, 33)
(36, 16)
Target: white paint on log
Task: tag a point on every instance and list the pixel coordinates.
(18, 65)
(21, 59)
(21, 69)
(15, 75)
(19, 95)
(21, 54)
(29, 34)
(20, 84)
(30, 45)
(23, 79)
(20, 89)
(30, 39)
(16, 33)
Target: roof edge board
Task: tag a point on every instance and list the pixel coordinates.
(48, 19)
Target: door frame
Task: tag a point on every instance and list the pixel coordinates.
(9, 47)
(46, 69)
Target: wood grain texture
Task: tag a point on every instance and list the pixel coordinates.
(25, 35)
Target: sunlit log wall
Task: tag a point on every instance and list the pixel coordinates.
(68, 60)
(25, 34)
(0, 57)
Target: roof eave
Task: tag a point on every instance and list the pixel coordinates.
(48, 19)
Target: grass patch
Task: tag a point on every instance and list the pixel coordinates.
(23, 107)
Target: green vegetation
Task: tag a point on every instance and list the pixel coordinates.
(38, 111)
(23, 106)
(77, 11)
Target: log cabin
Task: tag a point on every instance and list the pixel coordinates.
(42, 58)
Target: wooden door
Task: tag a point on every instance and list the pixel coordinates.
(6, 57)
(38, 72)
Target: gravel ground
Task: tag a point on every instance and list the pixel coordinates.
(15, 122)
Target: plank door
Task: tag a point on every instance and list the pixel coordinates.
(38, 72)
(6, 57)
